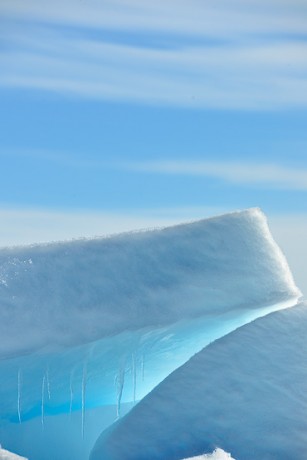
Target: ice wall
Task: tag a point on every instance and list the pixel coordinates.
(246, 393)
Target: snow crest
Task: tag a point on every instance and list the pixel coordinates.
(217, 454)
(6, 455)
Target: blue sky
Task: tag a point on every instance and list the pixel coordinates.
(124, 113)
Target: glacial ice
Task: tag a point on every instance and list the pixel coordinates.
(246, 392)
(99, 323)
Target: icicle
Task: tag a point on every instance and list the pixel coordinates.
(48, 383)
(19, 395)
(84, 377)
(120, 381)
(71, 391)
(134, 376)
(143, 367)
(43, 402)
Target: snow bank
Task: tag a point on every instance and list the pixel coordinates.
(76, 292)
(246, 393)
(218, 454)
(6, 455)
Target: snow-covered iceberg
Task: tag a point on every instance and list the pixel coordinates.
(100, 322)
(246, 392)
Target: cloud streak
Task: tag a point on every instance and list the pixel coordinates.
(258, 77)
(40, 225)
(211, 18)
(257, 66)
(263, 175)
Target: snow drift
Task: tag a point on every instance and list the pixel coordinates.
(246, 392)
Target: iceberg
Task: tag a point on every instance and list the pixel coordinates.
(92, 324)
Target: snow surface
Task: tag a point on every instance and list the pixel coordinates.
(6, 455)
(246, 392)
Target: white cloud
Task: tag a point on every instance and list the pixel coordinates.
(248, 69)
(210, 18)
(270, 175)
(226, 77)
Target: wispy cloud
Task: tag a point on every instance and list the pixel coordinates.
(38, 225)
(213, 17)
(61, 158)
(226, 77)
(269, 175)
(256, 174)
(257, 66)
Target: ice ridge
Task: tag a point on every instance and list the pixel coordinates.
(72, 293)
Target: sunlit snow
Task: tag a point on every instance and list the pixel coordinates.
(218, 454)
(6, 455)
